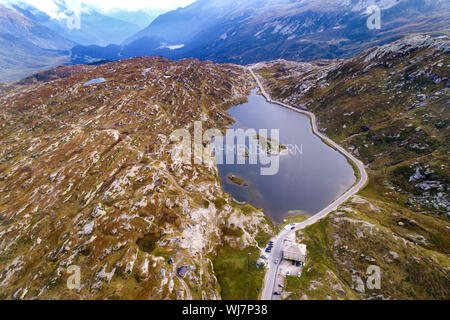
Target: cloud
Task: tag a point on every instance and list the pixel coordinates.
(70, 11)
(48, 6)
(51, 8)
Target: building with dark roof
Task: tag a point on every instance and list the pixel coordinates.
(182, 271)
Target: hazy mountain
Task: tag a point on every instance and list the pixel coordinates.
(88, 28)
(27, 46)
(185, 24)
(146, 46)
(142, 18)
(254, 30)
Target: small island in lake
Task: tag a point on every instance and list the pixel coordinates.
(272, 146)
(236, 180)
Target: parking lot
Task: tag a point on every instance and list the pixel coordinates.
(280, 268)
(286, 269)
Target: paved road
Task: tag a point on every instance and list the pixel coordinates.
(272, 271)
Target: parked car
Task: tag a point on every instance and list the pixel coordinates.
(276, 293)
(276, 261)
(297, 264)
(293, 263)
(299, 274)
(288, 273)
(292, 228)
(281, 286)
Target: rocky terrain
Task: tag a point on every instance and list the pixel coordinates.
(389, 106)
(87, 179)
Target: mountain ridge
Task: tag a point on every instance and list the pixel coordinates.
(247, 32)
(27, 46)
(94, 27)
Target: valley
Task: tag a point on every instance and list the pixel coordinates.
(247, 32)
(223, 31)
(116, 177)
(27, 47)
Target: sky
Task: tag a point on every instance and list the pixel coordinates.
(51, 9)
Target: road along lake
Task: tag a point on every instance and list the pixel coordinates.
(311, 174)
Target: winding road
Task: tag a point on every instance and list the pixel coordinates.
(271, 274)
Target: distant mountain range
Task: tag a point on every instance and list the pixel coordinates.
(147, 46)
(235, 31)
(255, 30)
(27, 46)
(86, 27)
(142, 18)
(32, 40)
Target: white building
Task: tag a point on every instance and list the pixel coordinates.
(294, 251)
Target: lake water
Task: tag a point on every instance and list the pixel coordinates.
(308, 180)
(94, 81)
